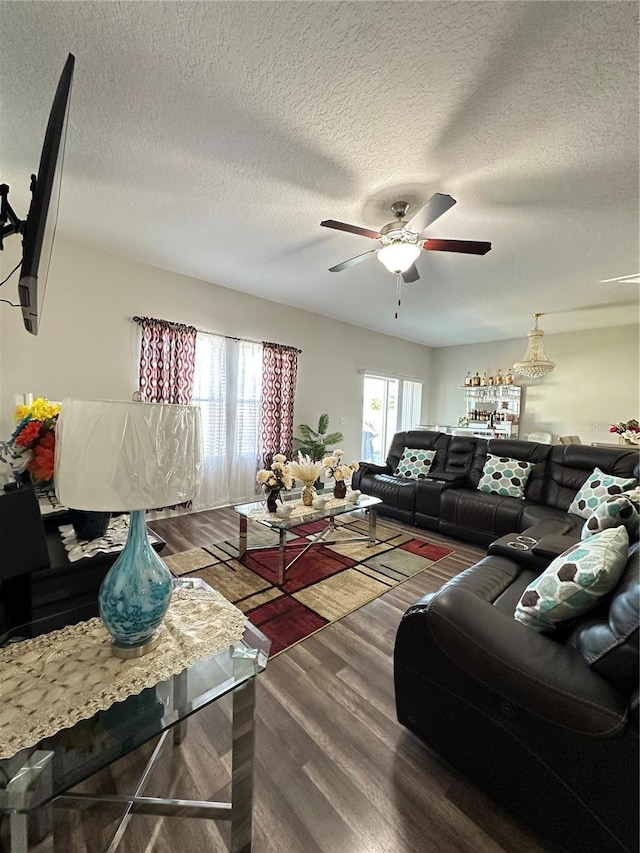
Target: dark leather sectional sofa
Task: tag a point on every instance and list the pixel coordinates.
(547, 724)
(450, 502)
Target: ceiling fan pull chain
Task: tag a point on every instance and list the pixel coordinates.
(398, 291)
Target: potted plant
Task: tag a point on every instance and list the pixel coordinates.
(313, 443)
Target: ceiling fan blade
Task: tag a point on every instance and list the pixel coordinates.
(352, 261)
(353, 229)
(411, 274)
(429, 212)
(470, 247)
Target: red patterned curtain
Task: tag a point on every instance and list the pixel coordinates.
(279, 372)
(167, 361)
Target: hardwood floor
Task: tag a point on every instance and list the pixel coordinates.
(335, 772)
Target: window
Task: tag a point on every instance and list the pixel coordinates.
(227, 387)
(390, 405)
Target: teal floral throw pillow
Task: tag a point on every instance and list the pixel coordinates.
(618, 509)
(575, 581)
(502, 475)
(415, 464)
(597, 488)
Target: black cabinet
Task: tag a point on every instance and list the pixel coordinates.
(37, 580)
(65, 589)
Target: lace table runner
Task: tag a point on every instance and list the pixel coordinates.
(52, 682)
(113, 540)
(48, 503)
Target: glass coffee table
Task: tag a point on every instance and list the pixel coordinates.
(301, 515)
(39, 778)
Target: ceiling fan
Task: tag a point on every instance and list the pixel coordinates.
(401, 241)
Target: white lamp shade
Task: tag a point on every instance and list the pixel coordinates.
(113, 456)
(398, 257)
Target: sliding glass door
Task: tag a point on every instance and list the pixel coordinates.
(389, 406)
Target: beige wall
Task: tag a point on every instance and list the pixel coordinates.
(88, 346)
(595, 383)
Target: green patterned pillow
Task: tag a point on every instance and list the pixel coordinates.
(618, 509)
(502, 475)
(575, 581)
(597, 488)
(415, 464)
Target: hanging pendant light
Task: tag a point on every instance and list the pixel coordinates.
(535, 363)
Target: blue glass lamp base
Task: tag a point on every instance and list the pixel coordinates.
(125, 651)
(135, 593)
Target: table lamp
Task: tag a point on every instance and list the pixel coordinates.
(117, 456)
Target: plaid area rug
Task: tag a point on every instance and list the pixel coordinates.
(325, 584)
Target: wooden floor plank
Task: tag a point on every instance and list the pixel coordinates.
(335, 772)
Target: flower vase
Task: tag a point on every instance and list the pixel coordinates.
(340, 489)
(308, 493)
(272, 498)
(89, 525)
(135, 594)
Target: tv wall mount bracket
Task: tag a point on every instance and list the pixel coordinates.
(9, 221)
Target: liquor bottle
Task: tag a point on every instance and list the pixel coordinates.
(468, 380)
(483, 379)
(476, 380)
(490, 379)
(499, 379)
(509, 378)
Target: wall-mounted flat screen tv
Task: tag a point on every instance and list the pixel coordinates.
(39, 228)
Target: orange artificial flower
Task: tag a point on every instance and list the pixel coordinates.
(28, 434)
(41, 464)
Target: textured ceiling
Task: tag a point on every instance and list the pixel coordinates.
(211, 139)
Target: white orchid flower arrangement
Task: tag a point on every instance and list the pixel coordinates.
(336, 468)
(278, 477)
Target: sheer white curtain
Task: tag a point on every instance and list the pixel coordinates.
(411, 404)
(227, 386)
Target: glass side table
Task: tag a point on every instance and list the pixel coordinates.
(41, 777)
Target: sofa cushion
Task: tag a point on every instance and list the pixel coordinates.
(537, 455)
(392, 491)
(480, 511)
(556, 521)
(574, 582)
(598, 487)
(570, 465)
(608, 638)
(415, 463)
(504, 476)
(461, 455)
(618, 509)
(422, 439)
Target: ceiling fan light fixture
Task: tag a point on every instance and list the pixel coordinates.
(535, 363)
(398, 257)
